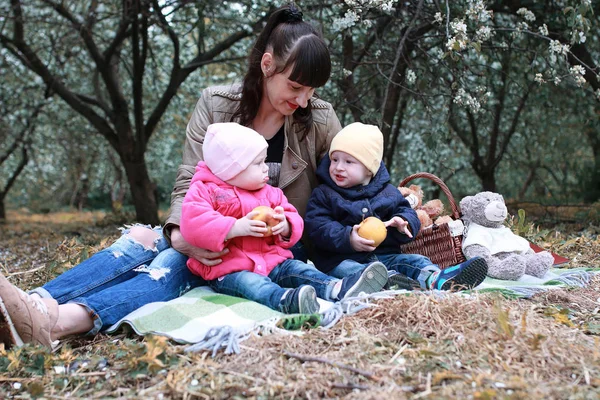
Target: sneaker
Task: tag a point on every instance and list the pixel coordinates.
(398, 281)
(466, 275)
(302, 300)
(23, 318)
(370, 280)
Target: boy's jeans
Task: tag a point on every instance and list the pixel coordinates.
(414, 266)
(268, 290)
(122, 278)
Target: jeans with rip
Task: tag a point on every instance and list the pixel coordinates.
(121, 278)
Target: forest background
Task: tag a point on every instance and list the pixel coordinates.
(498, 95)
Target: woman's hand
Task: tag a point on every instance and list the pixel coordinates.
(399, 224)
(246, 226)
(206, 257)
(359, 243)
(283, 228)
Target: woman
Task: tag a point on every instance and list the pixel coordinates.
(287, 62)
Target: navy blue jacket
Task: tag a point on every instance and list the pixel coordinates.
(332, 211)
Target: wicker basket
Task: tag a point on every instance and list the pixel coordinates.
(436, 242)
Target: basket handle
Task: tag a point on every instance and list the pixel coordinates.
(440, 183)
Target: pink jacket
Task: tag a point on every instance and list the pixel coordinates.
(209, 210)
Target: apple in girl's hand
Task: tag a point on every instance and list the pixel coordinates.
(373, 228)
(265, 214)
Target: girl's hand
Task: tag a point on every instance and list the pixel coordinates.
(283, 228)
(246, 226)
(399, 224)
(359, 243)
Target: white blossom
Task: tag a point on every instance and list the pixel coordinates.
(579, 80)
(411, 77)
(557, 80)
(539, 78)
(578, 37)
(478, 12)
(346, 73)
(483, 33)
(349, 20)
(367, 23)
(458, 26)
(558, 48)
(577, 72)
(455, 44)
(577, 69)
(525, 13)
(378, 54)
(543, 30)
(387, 6)
(463, 98)
(438, 18)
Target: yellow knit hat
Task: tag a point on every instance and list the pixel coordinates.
(363, 142)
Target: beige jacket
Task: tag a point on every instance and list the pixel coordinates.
(300, 158)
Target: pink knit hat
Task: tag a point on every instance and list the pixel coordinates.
(229, 148)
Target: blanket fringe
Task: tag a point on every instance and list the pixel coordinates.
(353, 305)
(217, 338)
(228, 338)
(577, 278)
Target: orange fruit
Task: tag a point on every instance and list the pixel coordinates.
(374, 229)
(265, 214)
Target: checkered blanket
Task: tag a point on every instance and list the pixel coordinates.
(211, 320)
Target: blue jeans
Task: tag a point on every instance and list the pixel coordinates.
(299, 252)
(414, 266)
(122, 278)
(268, 290)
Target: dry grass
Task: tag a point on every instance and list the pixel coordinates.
(416, 346)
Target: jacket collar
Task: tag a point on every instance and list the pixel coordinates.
(378, 182)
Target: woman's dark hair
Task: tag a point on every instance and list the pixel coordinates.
(294, 43)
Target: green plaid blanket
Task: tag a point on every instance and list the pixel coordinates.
(212, 320)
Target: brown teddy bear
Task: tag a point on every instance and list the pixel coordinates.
(426, 212)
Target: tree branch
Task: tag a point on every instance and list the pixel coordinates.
(491, 156)
(37, 66)
(180, 74)
(83, 30)
(513, 125)
(17, 172)
(220, 47)
(473, 146)
(11, 149)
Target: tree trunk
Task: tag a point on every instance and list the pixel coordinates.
(142, 191)
(592, 188)
(591, 192)
(2, 211)
(488, 180)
